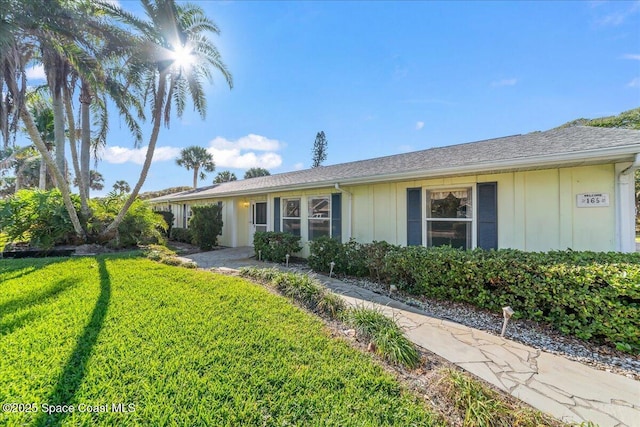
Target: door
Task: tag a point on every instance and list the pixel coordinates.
(258, 219)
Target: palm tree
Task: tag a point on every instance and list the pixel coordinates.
(225, 176)
(256, 172)
(196, 158)
(174, 56)
(121, 186)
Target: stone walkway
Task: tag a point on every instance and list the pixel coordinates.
(568, 390)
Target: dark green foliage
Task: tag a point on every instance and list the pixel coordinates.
(168, 217)
(206, 225)
(274, 246)
(351, 258)
(255, 173)
(140, 226)
(593, 296)
(181, 235)
(319, 150)
(37, 217)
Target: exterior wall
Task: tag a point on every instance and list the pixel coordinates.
(537, 210)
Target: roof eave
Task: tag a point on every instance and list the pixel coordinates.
(601, 155)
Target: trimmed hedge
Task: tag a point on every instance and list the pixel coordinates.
(592, 296)
(181, 235)
(274, 246)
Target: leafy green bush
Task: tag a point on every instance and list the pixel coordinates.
(168, 217)
(593, 296)
(274, 246)
(140, 226)
(206, 226)
(325, 250)
(37, 217)
(181, 235)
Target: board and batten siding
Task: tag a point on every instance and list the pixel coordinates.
(535, 210)
(532, 210)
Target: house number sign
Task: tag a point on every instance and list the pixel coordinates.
(591, 200)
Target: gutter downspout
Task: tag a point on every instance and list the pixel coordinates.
(625, 215)
(349, 209)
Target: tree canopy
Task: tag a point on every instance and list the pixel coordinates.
(148, 66)
(256, 172)
(198, 159)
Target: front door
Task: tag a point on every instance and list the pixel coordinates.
(258, 219)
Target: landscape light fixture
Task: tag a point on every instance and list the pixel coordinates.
(507, 312)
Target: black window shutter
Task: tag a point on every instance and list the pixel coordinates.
(276, 214)
(488, 215)
(414, 216)
(336, 216)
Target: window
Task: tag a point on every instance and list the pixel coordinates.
(319, 217)
(291, 216)
(449, 218)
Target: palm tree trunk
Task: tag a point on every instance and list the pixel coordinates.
(85, 138)
(153, 139)
(195, 177)
(63, 185)
(42, 180)
(82, 184)
(58, 129)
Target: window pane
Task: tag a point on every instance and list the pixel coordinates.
(291, 226)
(261, 213)
(456, 234)
(319, 228)
(319, 207)
(291, 208)
(449, 204)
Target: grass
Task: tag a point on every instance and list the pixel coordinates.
(181, 347)
(479, 406)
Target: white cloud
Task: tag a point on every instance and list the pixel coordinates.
(635, 56)
(116, 154)
(634, 83)
(233, 158)
(619, 16)
(249, 142)
(36, 73)
(419, 125)
(241, 153)
(504, 82)
(298, 166)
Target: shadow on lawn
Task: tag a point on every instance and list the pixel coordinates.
(74, 371)
(32, 301)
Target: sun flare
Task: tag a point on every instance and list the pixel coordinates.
(182, 56)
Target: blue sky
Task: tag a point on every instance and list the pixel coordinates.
(380, 78)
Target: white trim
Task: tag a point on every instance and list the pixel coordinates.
(625, 206)
(471, 187)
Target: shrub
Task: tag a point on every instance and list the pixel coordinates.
(593, 296)
(274, 246)
(181, 235)
(140, 226)
(37, 217)
(325, 250)
(206, 226)
(168, 217)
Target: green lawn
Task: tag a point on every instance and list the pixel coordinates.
(178, 347)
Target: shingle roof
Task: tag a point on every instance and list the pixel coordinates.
(541, 147)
